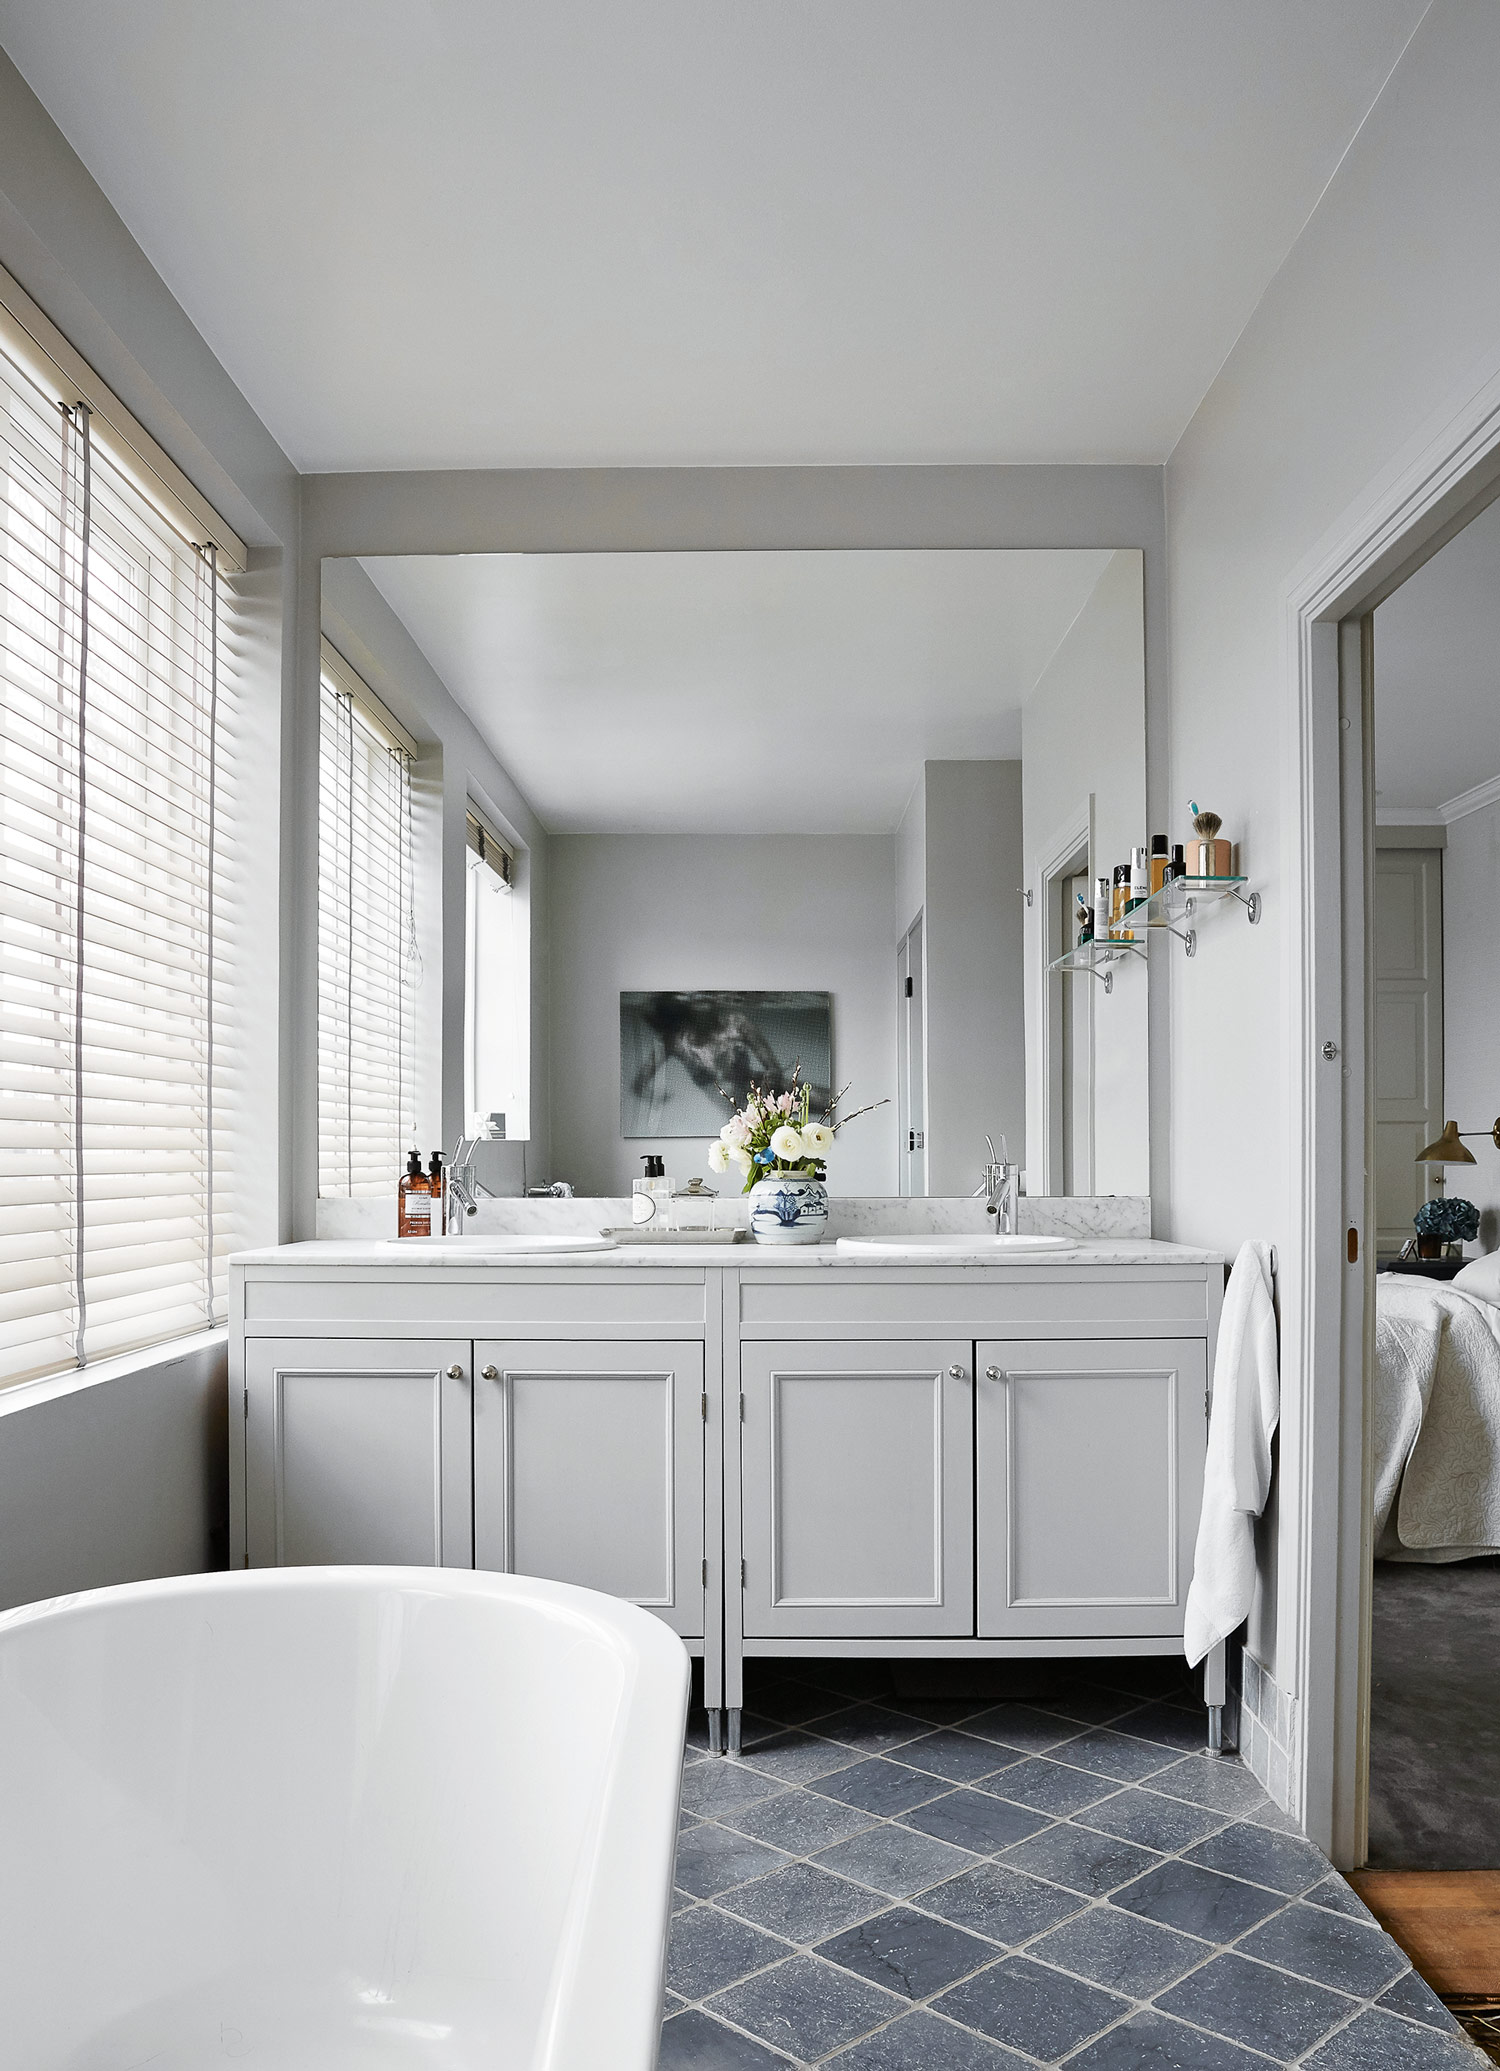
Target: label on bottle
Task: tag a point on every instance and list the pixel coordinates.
(417, 1210)
(642, 1203)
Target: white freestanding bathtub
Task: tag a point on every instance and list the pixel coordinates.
(336, 1819)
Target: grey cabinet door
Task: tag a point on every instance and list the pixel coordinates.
(857, 1481)
(589, 1468)
(358, 1452)
(1089, 1478)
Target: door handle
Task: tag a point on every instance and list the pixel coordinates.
(455, 1373)
(489, 1373)
(993, 1373)
(956, 1373)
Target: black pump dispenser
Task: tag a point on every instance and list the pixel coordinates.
(655, 1166)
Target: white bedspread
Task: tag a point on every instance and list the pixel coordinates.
(1436, 1416)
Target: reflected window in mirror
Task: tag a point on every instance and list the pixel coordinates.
(496, 993)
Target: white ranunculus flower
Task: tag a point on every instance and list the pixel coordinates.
(818, 1137)
(735, 1131)
(787, 1143)
(718, 1157)
(738, 1155)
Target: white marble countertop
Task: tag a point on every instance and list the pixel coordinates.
(317, 1255)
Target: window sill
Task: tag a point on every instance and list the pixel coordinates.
(50, 1387)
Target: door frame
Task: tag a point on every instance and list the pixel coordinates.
(1428, 494)
(1052, 858)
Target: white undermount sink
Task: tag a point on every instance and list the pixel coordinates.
(489, 1245)
(980, 1248)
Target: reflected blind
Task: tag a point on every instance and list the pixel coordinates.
(115, 974)
(368, 968)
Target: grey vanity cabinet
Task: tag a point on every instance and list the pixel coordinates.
(357, 1451)
(589, 1467)
(857, 1489)
(1089, 1471)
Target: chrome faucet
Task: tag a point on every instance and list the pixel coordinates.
(464, 1184)
(560, 1190)
(1000, 1187)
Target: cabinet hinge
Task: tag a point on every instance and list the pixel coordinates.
(705, 1574)
(908, 988)
(1207, 1404)
(742, 1574)
(742, 1409)
(703, 1407)
(247, 1405)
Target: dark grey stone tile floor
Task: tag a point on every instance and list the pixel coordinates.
(975, 1867)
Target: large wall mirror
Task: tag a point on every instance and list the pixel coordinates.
(834, 808)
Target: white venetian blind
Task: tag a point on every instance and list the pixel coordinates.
(368, 967)
(116, 822)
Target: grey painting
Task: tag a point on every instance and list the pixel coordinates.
(677, 1049)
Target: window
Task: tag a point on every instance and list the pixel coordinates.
(496, 1048)
(368, 966)
(117, 1059)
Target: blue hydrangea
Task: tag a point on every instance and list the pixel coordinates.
(1456, 1221)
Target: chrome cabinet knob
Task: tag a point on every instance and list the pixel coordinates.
(455, 1373)
(956, 1373)
(489, 1373)
(993, 1373)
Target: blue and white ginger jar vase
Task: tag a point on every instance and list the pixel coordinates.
(789, 1208)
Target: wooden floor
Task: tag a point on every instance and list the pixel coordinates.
(1448, 1922)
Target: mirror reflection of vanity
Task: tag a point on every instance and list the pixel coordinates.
(848, 799)
(881, 779)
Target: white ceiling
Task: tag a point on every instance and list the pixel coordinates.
(700, 693)
(1437, 675)
(450, 233)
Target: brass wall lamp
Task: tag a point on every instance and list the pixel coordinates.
(1449, 1149)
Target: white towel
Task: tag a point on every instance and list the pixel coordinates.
(1237, 1472)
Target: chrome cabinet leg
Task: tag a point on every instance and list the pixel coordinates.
(734, 1729)
(1213, 1697)
(715, 1730)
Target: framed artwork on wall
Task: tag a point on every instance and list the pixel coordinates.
(680, 1052)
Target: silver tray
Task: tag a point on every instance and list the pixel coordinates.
(633, 1233)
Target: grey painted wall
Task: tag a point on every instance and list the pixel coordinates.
(1383, 320)
(115, 1480)
(976, 969)
(677, 912)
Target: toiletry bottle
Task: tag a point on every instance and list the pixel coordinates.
(413, 1200)
(1101, 909)
(1140, 875)
(1178, 866)
(1161, 861)
(437, 1188)
(1119, 898)
(651, 1196)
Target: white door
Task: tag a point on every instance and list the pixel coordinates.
(857, 1478)
(1407, 926)
(1089, 1480)
(911, 1062)
(1076, 1017)
(589, 1468)
(358, 1453)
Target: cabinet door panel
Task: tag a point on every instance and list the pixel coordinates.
(589, 1466)
(1090, 1478)
(858, 1486)
(358, 1453)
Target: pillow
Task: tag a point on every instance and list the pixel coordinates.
(1480, 1277)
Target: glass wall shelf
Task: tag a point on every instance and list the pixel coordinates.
(1096, 959)
(1175, 904)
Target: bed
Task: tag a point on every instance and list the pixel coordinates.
(1436, 1415)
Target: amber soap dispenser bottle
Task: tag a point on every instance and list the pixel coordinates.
(414, 1200)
